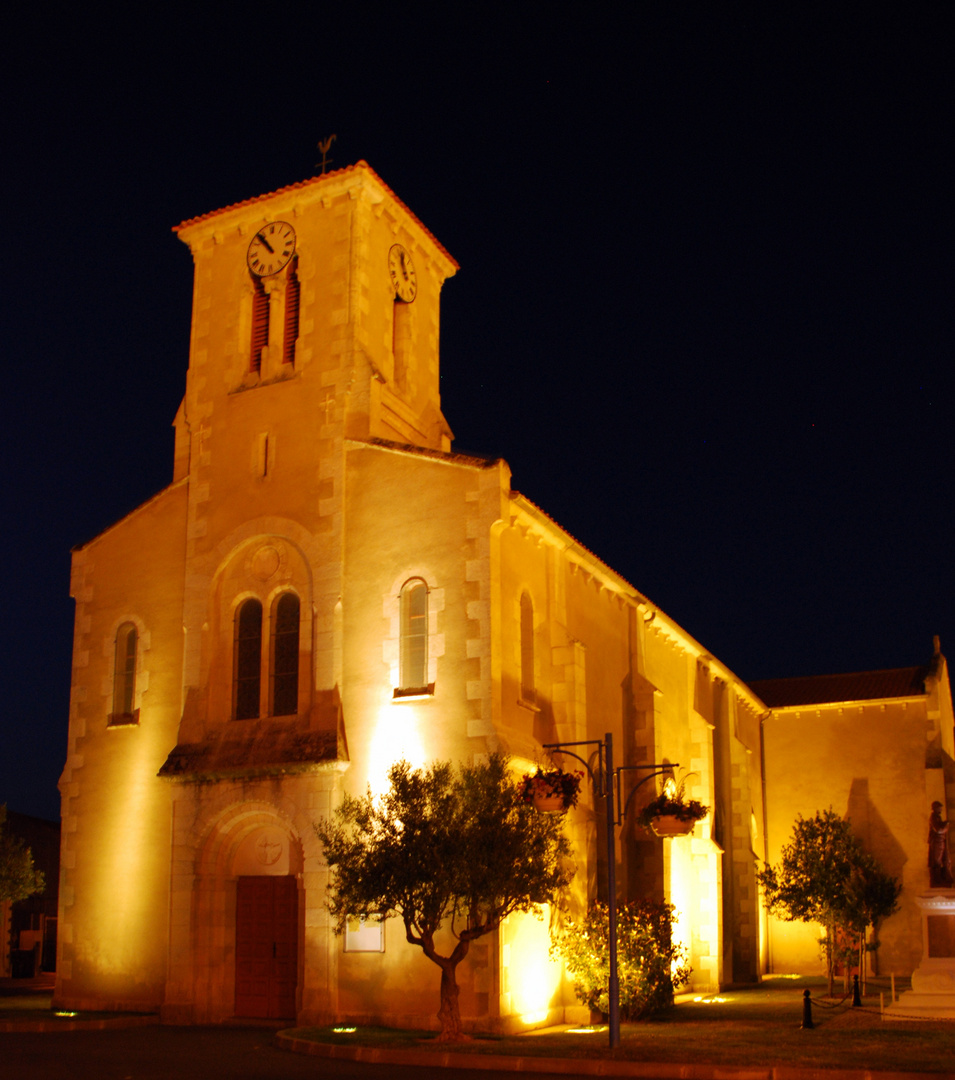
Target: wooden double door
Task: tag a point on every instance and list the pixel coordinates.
(266, 947)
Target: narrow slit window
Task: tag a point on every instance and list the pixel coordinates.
(262, 454)
(284, 658)
(248, 660)
(413, 660)
(527, 649)
(124, 670)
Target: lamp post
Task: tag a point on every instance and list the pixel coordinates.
(605, 781)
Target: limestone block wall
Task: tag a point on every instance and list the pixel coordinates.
(395, 499)
(114, 860)
(866, 760)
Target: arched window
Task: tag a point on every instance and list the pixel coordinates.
(247, 662)
(124, 674)
(527, 649)
(283, 665)
(413, 654)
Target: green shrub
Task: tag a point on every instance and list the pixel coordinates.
(649, 964)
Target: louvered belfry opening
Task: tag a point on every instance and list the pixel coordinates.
(292, 294)
(260, 324)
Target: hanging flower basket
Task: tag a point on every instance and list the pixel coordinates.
(549, 804)
(669, 825)
(553, 792)
(670, 813)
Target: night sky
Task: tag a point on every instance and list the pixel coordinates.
(704, 307)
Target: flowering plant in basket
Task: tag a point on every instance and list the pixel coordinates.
(542, 786)
(672, 802)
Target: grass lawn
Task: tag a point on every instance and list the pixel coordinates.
(759, 1026)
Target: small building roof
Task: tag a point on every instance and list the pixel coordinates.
(851, 686)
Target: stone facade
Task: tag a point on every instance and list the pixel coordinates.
(313, 473)
(878, 748)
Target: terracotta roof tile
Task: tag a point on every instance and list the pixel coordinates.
(362, 166)
(251, 748)
(852, 686)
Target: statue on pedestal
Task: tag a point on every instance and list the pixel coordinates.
(939, 859)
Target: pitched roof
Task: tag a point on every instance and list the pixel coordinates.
(852, 686)
(250, 749)
(359, 166)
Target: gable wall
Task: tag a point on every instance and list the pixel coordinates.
(114, 888)
(866, 760)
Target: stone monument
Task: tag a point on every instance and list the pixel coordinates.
(933, 982)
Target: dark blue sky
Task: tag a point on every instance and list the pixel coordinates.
(704, 307)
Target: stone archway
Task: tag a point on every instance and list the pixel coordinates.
(248, 838)
(248, 828)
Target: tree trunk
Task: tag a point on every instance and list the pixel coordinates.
(450, 1013)
(830, 957)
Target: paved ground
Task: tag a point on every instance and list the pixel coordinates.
(156, 1052)
(175, 1053)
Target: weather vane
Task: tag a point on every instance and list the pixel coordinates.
(325, 145)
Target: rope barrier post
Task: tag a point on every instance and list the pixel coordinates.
(806, 1011)
(856, 999)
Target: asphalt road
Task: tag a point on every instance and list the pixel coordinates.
(190, 1053)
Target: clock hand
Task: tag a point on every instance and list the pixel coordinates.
(267, 244)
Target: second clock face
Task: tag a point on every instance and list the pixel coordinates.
(271, 248)
(403, 277)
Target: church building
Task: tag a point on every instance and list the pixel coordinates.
(326, 587)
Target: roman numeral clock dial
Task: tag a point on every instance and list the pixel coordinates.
(271, 248)
(403, 278)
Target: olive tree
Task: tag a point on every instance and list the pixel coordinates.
(871, 896)
(18, 878)
(825, 876)
(444, 847)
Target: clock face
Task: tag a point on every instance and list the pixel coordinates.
(403, 277)
(271, 248)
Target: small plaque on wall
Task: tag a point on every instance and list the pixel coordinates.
(364, 935)
(941, 936)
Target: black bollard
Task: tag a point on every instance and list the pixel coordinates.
(806, 1011)
(856, 1000)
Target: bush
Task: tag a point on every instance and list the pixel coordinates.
(649, 964)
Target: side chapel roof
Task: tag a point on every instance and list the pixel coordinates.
(852, 686)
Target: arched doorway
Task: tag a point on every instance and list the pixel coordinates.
(266, 947)
(266, 925)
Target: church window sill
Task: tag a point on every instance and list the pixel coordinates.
(419, 693)
(125, 719)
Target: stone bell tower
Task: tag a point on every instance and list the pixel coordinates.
(315, 320)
